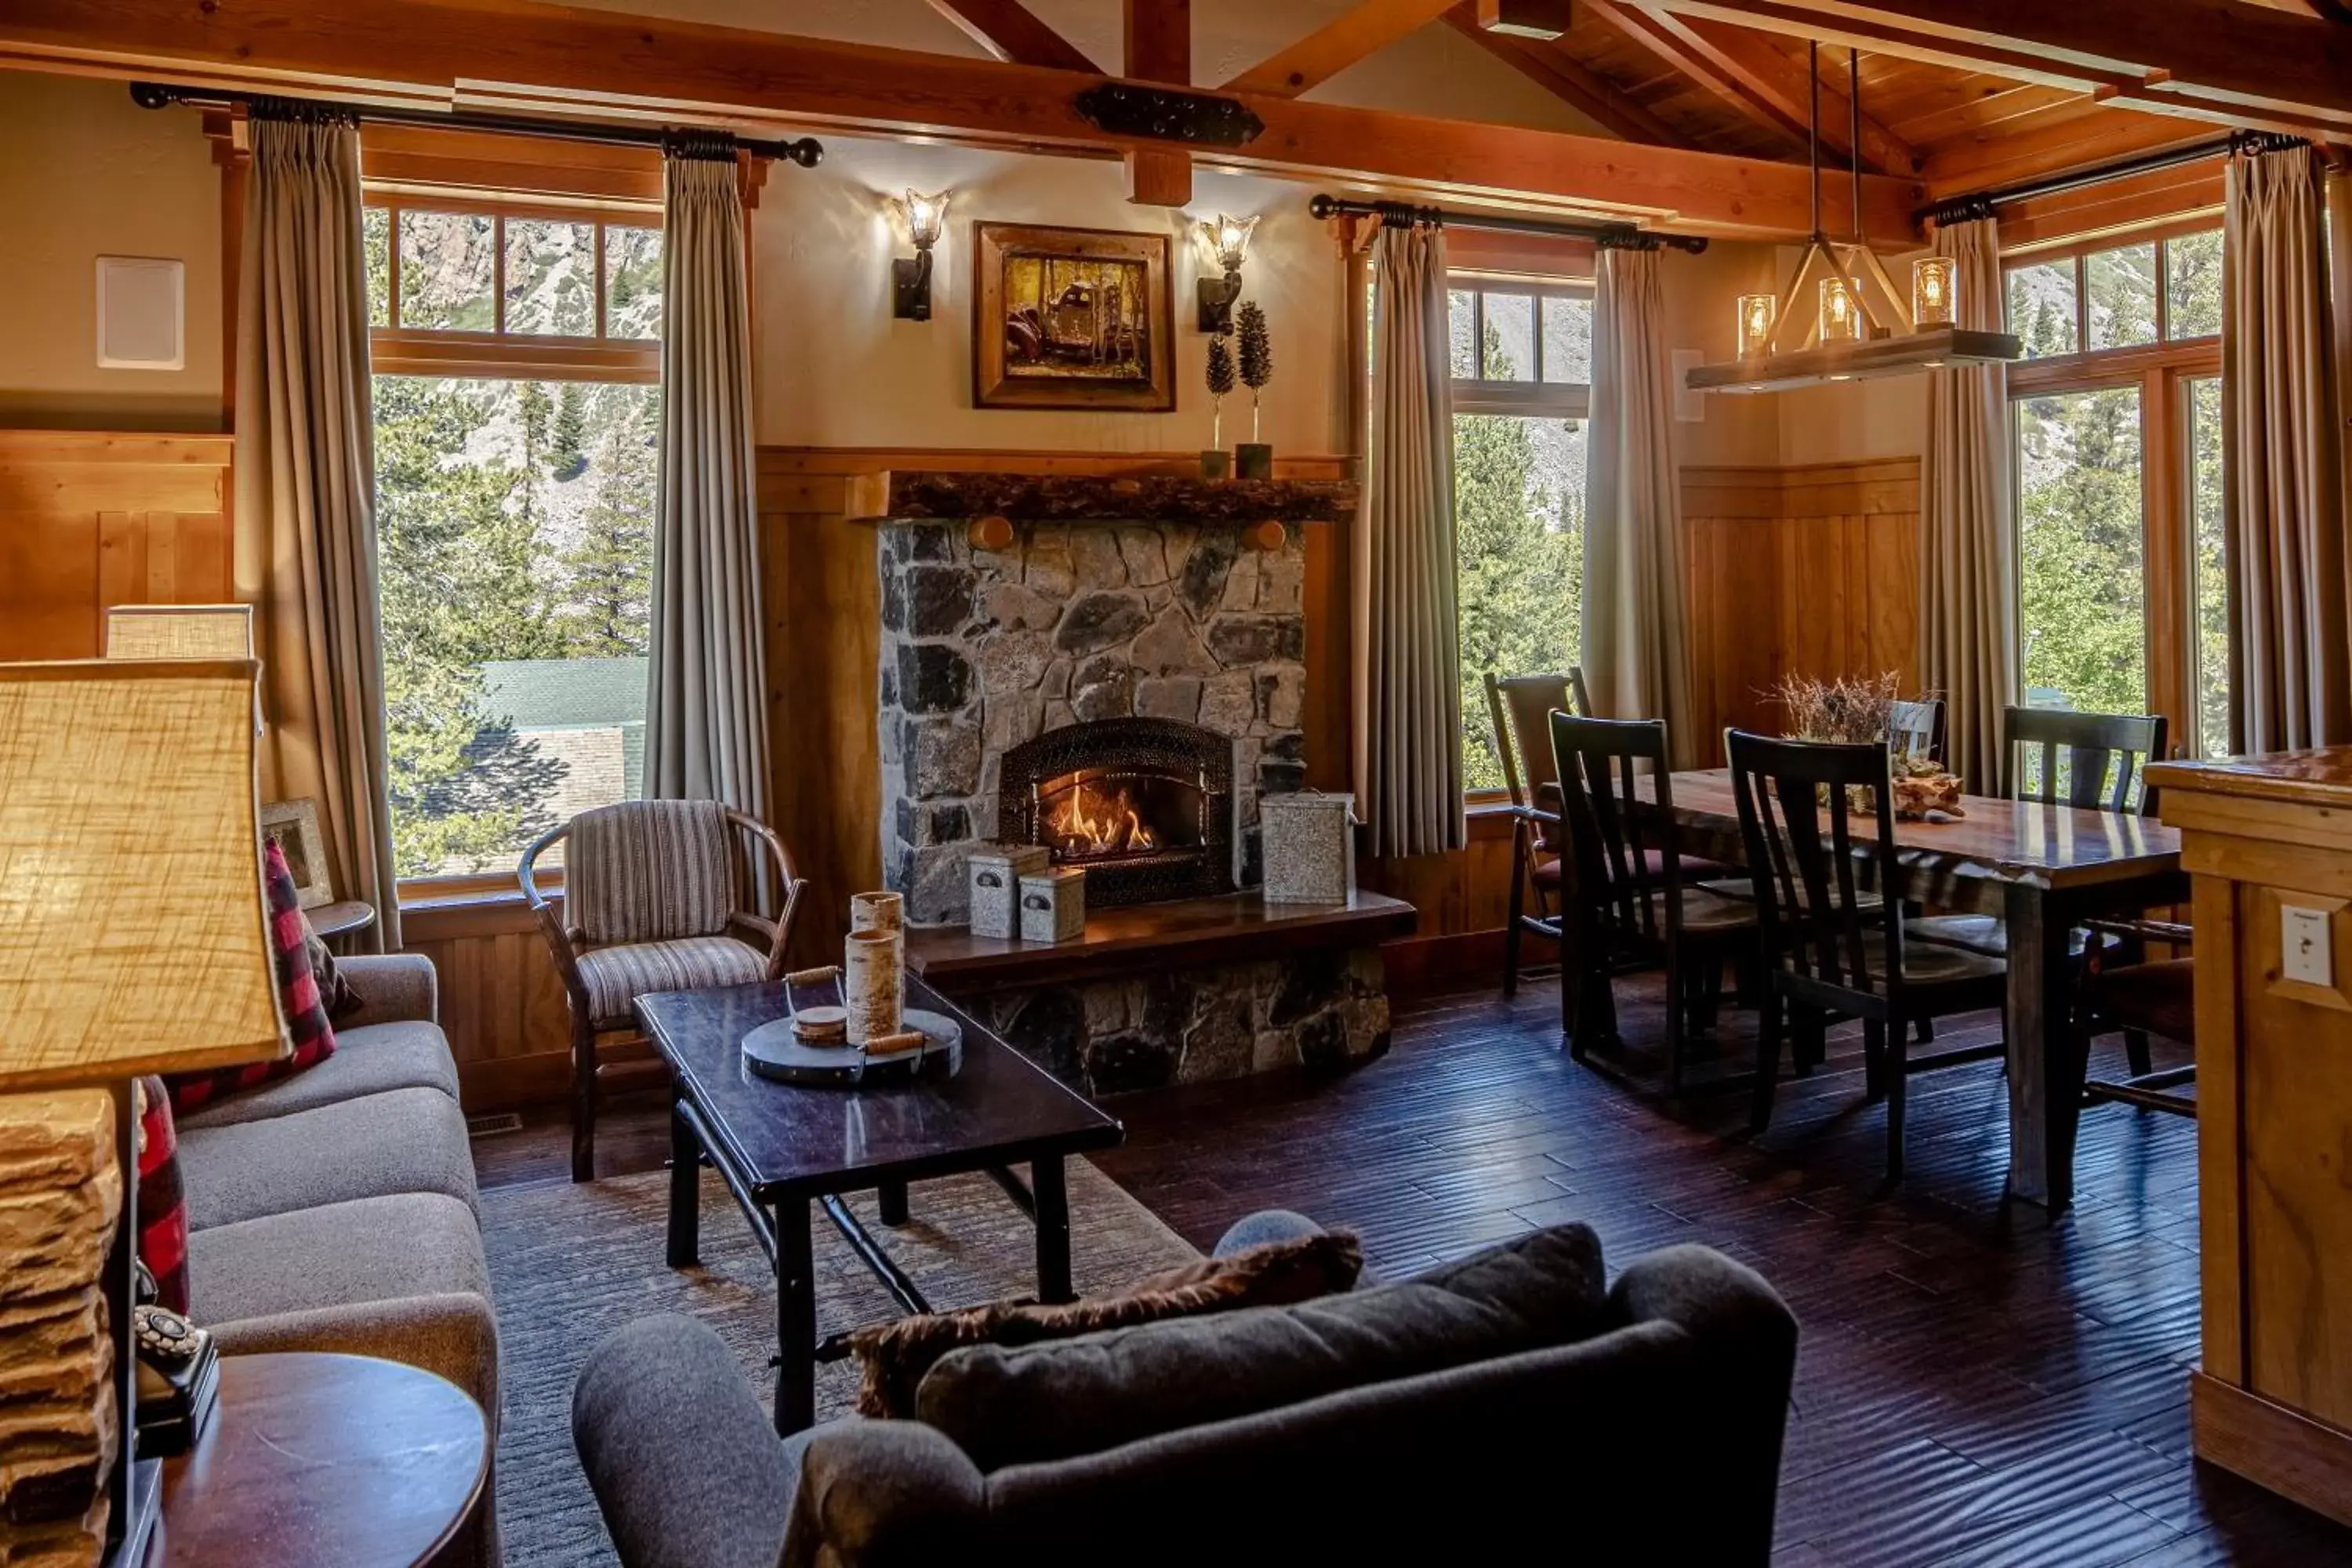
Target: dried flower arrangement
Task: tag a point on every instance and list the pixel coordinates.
(1851, 708)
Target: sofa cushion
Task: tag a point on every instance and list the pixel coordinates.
(407, 1140)
(310, 1036)
(401, 1276)
(1041, 1403)
(369, 1060)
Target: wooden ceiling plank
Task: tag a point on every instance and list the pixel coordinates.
(1760, 80)
(1554, 69)
(512, 56)
(1009, 31)
(1979, 164)
(2219, 60)
(1158, 45)
(1362, 29)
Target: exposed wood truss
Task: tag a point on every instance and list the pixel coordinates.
(1568, 78)
(1757, 79)
(1159, 47)
(1011, 31)
(521, 58)
(1362, 29)
(2212, 59)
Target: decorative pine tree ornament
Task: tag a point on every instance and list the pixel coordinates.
(1257, 357)
(1221, 381)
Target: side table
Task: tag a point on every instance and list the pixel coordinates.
(340, 920)
(314, 1459)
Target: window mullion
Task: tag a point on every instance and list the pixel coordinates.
(499, 274)
(603, 326)
(391, 275)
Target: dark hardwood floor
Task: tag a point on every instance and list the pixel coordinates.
(1977, 1384)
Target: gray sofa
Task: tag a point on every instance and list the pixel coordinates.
(334, 1210)
(1511, 1406)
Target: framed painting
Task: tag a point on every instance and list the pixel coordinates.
(1072, 318)
(293, 827)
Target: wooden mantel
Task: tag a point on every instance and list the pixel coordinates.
(916, 495)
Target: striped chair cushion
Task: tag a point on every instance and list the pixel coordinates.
(649, 870)
(617, 976)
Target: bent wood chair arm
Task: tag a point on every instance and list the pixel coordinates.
(775, 934)
(562, 944)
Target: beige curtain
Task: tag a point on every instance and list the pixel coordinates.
(1636, 650)
(1968, 527)
(306, 493)
(707, 717)
(1407, 675)
(2290, 665)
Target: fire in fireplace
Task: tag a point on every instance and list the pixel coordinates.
(1145, 805)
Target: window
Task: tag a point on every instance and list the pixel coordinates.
(2121, 587)
(1522, 357)
(517, 424)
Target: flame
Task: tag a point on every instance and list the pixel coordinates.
(1087, 823)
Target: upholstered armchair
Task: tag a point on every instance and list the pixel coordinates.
(651, 903)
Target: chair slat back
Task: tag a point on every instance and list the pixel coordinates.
(1916, 728)
(1625, 874)
(1796, 817)
(1520, 706)
(649, 870)
(2087, 760)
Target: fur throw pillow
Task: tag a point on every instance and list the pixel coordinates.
(895, 1356)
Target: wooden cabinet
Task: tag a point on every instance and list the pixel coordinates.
(2269, 842)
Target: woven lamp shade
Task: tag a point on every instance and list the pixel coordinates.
(133, 936)
(179, 631)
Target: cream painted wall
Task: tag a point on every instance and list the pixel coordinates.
(1854, 421)
(837, 370)
(1700, 291)
(86, 174)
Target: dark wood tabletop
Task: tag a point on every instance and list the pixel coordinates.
(998, 1107)
(313, 1458)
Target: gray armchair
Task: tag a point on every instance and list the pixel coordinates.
(1508, 1399)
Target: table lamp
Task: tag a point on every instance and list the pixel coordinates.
(179, 631)
(133, 939)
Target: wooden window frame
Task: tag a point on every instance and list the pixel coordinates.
(498, 354)
(2161, 372)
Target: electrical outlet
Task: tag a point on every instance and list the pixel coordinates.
(2307, 946)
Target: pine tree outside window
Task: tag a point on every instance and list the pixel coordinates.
(517, 353)
(1522, 354)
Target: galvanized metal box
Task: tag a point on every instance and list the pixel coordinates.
(1054, 905)
(1310, 845)
(994, 873)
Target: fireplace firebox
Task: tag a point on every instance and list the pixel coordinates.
(1145, 805)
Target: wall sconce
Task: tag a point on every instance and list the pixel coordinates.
(1840, 322)
(1756, 313)
(1935, 292)
(925, 217)
(1225, 241)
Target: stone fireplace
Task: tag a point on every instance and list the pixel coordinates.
(1115, 669)
(1145, 805)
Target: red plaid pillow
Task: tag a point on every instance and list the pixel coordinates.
(298, 996)
(163, 1206)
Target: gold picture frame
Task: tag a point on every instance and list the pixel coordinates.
(1072, 318)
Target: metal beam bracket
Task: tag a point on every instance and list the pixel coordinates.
(1169, 114)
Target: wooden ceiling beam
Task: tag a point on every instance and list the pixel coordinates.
(1159, 47)
(1362, 29)
(1570, 80)
(1760, 81)
(1009, 31)
(1980, 163)
(2215, 59)
(518, 57)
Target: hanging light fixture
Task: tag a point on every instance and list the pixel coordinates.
(1860, 326)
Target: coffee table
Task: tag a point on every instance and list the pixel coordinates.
(784, 1149)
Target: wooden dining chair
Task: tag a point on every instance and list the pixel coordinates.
(2091, 761)
(1626, 898)
(2123, 991)
(1916, 727)
(1519, 706)
(653, 899)
(1830, 950)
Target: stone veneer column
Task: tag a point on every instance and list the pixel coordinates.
(983, 650)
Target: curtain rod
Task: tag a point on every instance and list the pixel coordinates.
(806, 152)
(1403, 215)
(1980, 203)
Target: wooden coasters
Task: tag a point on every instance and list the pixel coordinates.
(822, 1025)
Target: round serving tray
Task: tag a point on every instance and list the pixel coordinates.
(773, 1051)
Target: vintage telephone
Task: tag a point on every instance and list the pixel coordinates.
(179, 1376)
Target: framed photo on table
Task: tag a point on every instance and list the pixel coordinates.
(1072, 318)
(293, 827)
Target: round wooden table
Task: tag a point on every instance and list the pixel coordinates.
(331, 921)
(313, 1458)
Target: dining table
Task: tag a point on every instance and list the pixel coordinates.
(2042, 868)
